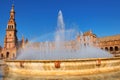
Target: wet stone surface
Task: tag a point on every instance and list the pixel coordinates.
(105, 76)
(5, 75)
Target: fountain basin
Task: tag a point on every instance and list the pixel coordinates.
(64, 67)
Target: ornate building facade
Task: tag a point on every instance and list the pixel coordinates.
(108, 43)
(11, 43)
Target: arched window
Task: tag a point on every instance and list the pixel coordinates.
(7, 54)
(111, 48)
(12, 26)
(9, 27)
(106, 48)
(116, 48)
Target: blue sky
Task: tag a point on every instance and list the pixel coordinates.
(38, 17)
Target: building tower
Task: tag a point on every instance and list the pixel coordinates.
(10, 40)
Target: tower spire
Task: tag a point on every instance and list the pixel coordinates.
(11, 22)
(12, 13)
(12, 9)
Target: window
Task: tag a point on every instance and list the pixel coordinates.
(7, 54)
(111, 48)
(116, 48)
(8, 27)
(106, 48)
(12, 26)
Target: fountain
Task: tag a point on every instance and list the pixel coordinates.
(63, 57)
(61, 48)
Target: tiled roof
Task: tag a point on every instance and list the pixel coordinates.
(110, 38)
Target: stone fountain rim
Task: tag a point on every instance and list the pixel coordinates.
(66, 60)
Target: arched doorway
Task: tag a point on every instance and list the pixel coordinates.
(7, 55)
(116, 48)
(1, 55)
(111, 48)
(106, 48)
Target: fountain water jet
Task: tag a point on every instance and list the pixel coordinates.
(60, 33)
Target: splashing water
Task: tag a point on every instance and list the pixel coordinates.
(57, 49)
